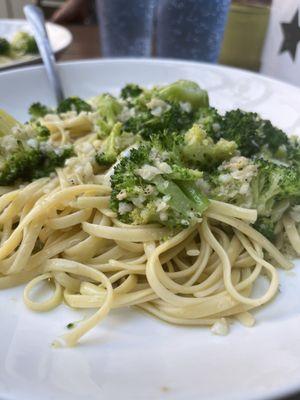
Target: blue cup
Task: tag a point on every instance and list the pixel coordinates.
(126, 27)
(191, 29)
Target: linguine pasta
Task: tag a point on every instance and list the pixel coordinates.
(61, 230)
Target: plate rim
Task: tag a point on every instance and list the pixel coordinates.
(156, 60)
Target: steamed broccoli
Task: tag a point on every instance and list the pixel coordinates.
(274, 182)
(255, 183)
(200, 150)
(73, 103)
(24, 43)
(149, 122)
(25, 153)
(116, 142)
(293, 151)
(4, 47)
(266, 226)
(42, 132)
(171, 108)
(210, 120)
(147, 187)
(50, 159)
(186, 92)
(38, 110)
(108, 108)
(18, 165)
(131, 90)
(252, 134)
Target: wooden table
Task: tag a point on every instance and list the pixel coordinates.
(85, 44)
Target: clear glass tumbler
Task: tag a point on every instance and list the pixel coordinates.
(126, 27)
(191, 29)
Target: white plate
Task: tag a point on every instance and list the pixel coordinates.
(131, 356)
(59, 37)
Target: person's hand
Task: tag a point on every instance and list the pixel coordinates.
(71, 11)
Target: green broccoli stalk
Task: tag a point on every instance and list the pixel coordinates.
(73, 103)
(4, 47)
(200, 149)
(147, 188)
(38, 110)
(186, 92)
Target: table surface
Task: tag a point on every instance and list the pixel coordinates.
(85, 44)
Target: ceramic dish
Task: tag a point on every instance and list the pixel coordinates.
(60, 38)
(130, 355)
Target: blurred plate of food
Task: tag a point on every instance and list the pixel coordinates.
(18, 47)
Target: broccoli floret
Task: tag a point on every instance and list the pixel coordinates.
(252, 134)
(257, 184)
(27, 163)
(18, 165)
(24, 43)
(186, 92)
(73, 103)
(154, 114)
(114, 144)
(274, 182)
(200, 149)
(4, 47)
(210, 120)
(172, 108)
(38, 110)
(266, 227)
(293, 151)
(50, 160)
(130, 91)
(147, 187)
(25, 153)
(42, 132)
(173, 119)
(108, 108)
(231, 181)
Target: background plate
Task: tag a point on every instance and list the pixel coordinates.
(59, 37)
(132, 356)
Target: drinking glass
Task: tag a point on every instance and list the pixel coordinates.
(191, 29)
(126, 27)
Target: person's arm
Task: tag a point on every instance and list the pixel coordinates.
(71, 11)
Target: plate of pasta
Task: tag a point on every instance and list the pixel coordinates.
(149, 233)
(18, 46)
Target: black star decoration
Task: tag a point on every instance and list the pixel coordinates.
(291, 33)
